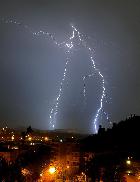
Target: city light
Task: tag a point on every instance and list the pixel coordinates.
(52, 170)
(12, 137)
(30, 138)
(32, 143)
(61, 140)
(46, 139)
(128, 161)
(25, 172)
(68, 167)
(15, 147)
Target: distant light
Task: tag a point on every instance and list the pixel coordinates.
(52, 170)
(32, 143)
(61, 140)
(15, 147)
(68, 167)
(25, 172)
(46, 139)
(12, 137)
(128, 162)
(128, 172)
(30, 138)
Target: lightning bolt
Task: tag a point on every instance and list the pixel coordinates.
(70, 45)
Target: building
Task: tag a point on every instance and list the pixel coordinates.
(10, 155)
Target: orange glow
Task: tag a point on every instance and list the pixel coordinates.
(68, 167)
(46, 139)
(30, 138)
(12, 137)
(52, 170)
(128, 162)
(25, 171)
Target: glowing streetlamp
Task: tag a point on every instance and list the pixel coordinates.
(46, 138)
(30, 138)
(12, 137)
(128, 161)
(52, 170)
(68, 167)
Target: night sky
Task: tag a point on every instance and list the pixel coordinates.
(31, 67)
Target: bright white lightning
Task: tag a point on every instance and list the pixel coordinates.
(54, 109)
(69, 45)
(91, 53)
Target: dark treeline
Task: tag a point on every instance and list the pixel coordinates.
(122, 136)
(111, 149)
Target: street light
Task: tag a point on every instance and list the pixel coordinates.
(12, 137)
(128, 161)
(29, 138)
(68, 167)
(52, 170)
